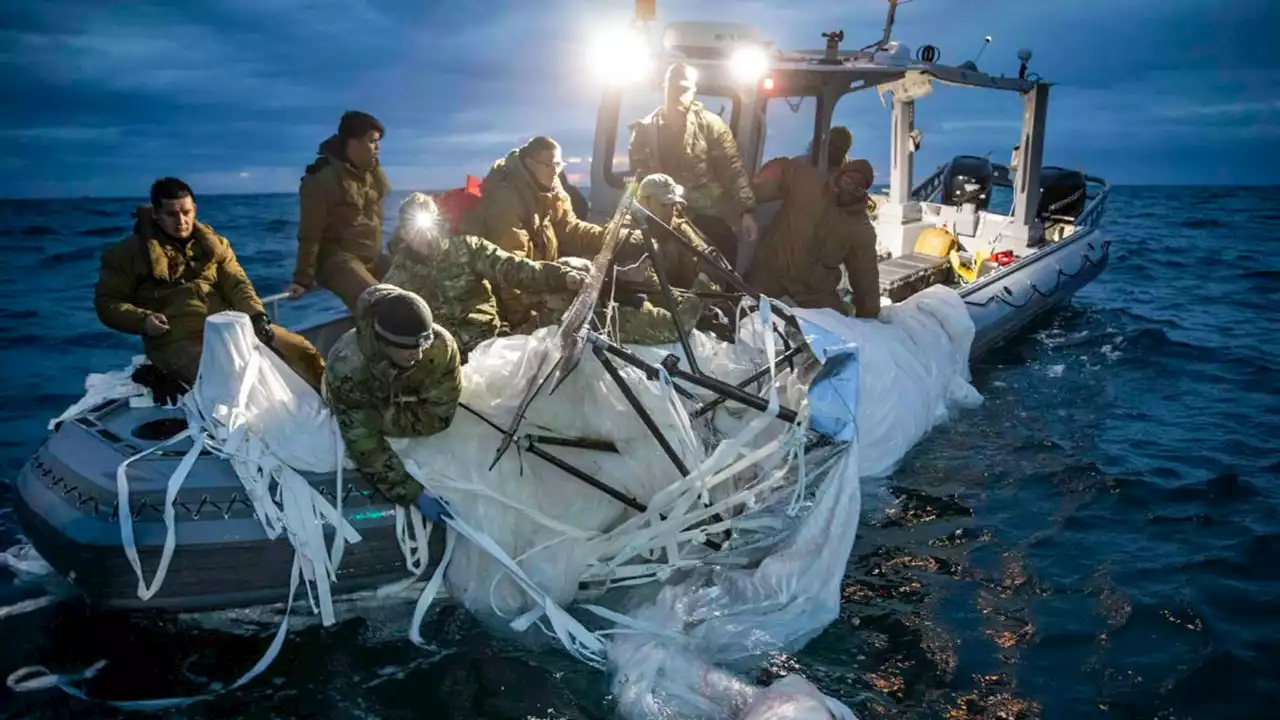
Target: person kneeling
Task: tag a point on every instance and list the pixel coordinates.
(162, 281)
(456, 274)
(396, 374)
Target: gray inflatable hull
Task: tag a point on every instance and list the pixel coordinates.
(67, 505)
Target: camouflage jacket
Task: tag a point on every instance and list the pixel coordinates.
(372, 399)
(522, 219)
(454, 275)
(646, 323)
(340, 212)
(148, 272)
(711, 170)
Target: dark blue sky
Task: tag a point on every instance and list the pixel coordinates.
(99, 98)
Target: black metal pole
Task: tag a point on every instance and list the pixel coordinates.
(719, 387)
(579, 443)
(645, 418)
(754, 377)
(671, 299)
(607, 490)
(716, 270)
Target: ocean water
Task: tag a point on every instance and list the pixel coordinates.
(1101, 539)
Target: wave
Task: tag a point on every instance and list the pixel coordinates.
(38, 231)
(106, 231)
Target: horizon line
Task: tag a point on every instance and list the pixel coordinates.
(41, 198)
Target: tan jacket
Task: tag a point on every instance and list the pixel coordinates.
(811, 237)
(711, 170)
(341, 212)
(149, 273)
(524, 220)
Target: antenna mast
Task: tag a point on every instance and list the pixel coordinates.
(888, 25)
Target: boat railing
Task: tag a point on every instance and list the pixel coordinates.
(930, 186)
(272, 304)
(1093, 210)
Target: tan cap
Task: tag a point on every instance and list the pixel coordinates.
(661, 189)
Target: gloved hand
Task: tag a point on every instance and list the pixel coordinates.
(262, 328)
(165, 389)
(432, 507)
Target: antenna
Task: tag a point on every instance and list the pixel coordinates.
(888, 25)
(985, 42)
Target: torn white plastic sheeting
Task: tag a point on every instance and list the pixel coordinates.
(101, 387)
(250, 408)
(914, 371)
(902, 374)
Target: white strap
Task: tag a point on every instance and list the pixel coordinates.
(34, 678)
(124, 513)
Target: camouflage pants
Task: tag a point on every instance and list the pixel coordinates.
(181, 358)
(346, 276)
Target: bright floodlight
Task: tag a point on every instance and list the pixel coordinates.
(620, 56)
(748, 63)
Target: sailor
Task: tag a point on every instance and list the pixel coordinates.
(454, 273)
(637, 320)
(821, 225)
(340, 222)
(695, 147)
(525, 211)
(162, 281)
(663, 198)
(396, 374)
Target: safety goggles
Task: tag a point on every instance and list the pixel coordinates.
(404, 342)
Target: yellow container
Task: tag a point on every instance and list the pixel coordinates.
(936, 241)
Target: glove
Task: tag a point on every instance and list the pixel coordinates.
(432, 507)
(165, 389)
(262, 328)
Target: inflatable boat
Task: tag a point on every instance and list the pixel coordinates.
(1009, 269)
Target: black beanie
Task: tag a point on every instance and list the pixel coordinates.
(355, 124)
(402, 319)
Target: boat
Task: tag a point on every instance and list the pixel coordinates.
(1046, 248)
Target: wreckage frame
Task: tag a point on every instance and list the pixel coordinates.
(575, 336)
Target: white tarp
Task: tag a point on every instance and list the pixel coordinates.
(526, 534)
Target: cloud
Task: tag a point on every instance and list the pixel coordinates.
(111, 95)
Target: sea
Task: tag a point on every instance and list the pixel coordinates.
(1100, 539)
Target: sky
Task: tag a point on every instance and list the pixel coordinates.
(100, 98)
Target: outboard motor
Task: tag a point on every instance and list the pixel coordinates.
(968, 180)
(1063, 193)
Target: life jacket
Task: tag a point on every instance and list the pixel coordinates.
(453, 205)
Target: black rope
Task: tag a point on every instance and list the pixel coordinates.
(1057, 283)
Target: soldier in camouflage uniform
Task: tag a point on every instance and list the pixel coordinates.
(638, 321)
(396, 374)
(455, 275)
(695, 147)
(661, 196)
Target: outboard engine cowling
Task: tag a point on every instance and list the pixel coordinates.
(968, 180)
(1063, 193)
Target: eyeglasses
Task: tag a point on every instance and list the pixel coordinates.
(557, 165)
